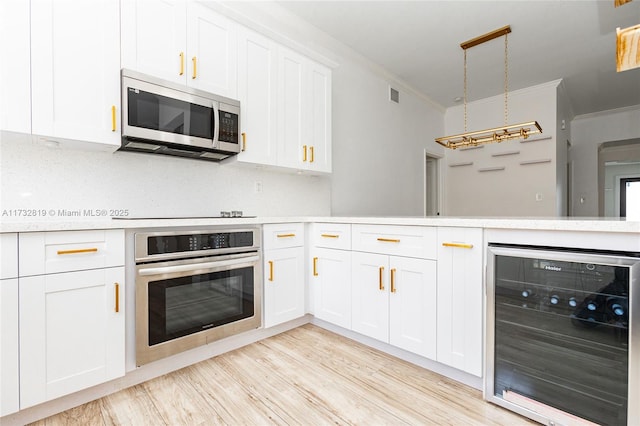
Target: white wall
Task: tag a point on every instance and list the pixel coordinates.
(34, 176)
(378, 152)
(587, 133)
(518, 190)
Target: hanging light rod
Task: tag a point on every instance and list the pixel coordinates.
(497, 134)
(486, 37)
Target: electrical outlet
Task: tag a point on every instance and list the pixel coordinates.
(538, 196)
(258, 186)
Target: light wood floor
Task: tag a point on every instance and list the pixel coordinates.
(306, 376)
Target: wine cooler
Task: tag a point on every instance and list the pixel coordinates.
(563, 334)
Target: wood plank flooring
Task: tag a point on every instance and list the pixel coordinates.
(307, 376)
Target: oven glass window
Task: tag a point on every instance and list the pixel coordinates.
(187, 305)
(157, 112)
(562, 336)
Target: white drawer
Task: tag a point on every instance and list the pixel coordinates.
(53, 252)
(282, 235)
(409, 241)
(8, 256)
(331, 235)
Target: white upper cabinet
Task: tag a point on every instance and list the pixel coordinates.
(320, 123)
(154, 38)
(257, 85)
(304, 108)
(75, 64)
(212, 51)
(183, 42)
(293, 151)
(15, 77)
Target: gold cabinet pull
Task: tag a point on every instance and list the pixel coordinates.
(315, 266)
(244, 141)
(113, 118)
(393, 280)
(458, 245)
(304, 153)
(381, 278)
(195, 72)
(270, 270)
(181, 63)
(312, 155)
(117, 297)
(388, 240)
(329, 236)
(286, 235)
(76, 251)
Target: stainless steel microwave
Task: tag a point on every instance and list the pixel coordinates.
(162, 117)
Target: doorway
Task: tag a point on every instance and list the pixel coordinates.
(630, 198)
(432, 186)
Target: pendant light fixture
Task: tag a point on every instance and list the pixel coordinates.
(496, 134)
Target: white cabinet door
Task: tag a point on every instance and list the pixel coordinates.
(293, 150)
(257, 82)
(412, 305)
(9, 359)
(319, 125)
(331, 286)
(283, 285)
(15, 72)
(212, 51)
(154, 38)
(75, 70)
(460, 298)
(71, 332)
(370, 295)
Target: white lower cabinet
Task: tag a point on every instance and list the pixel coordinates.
(460, 298)
(283, 273)
(9, 359)
(71, 332)
(330, 285)
(394, 300)
(284, 285)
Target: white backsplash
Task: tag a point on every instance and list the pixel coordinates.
(52, 182)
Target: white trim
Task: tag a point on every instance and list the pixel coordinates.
(621, 110)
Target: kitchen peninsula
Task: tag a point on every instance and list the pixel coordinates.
(450, 254)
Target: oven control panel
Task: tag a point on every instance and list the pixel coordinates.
(165, 245)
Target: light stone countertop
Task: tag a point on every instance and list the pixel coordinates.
(543, 224)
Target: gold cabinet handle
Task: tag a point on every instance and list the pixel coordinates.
(458, 245)
(315, 266)
(195, 72)
(117, 297)
(244, 141)
(393, 280)
(113, 118)
(304, 153)
(270, 270)
(312, 155)
(76, 251)
(286, 235)
(381, 278)
(329, 236)
(388, 240)
(181, 63)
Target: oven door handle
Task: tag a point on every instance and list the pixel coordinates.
(197, 266)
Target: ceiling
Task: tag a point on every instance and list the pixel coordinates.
(419, 41)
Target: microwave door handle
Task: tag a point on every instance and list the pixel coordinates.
(216, 124)
(197, 266)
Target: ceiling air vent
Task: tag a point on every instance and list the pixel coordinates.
(394, 95)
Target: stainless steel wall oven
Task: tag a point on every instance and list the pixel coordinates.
(194, 287)
(563, 334)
